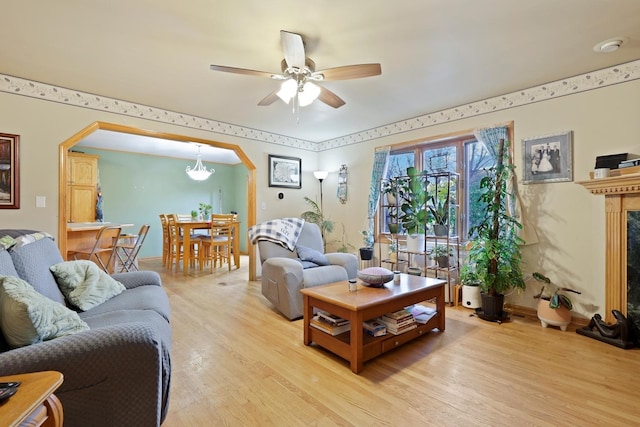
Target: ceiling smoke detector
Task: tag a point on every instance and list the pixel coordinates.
(609, 46)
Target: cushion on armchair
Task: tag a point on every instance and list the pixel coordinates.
(311, 255)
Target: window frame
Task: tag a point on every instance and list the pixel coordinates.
(459, 140)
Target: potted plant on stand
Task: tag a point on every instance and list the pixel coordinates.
(441, 254)
(366, 252)
(414, 214)
(553, 308)
(439, 204)
(495, 246)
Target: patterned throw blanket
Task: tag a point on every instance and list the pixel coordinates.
(14, 239)
(283, 231)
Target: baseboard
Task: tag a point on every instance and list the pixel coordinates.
(576, 320)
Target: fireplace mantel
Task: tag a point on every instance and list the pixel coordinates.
(622, 194)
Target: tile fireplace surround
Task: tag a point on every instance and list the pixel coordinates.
(622, 195)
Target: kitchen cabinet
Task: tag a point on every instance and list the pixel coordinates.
(82, 182)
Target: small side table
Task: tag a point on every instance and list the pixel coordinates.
(34, 404)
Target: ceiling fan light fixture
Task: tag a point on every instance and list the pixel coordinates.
(199, 171)
(308, 94)
(288, 90)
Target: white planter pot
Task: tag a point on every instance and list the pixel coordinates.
(415, 242)
(471, 296)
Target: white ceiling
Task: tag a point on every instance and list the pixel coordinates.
(435, 54)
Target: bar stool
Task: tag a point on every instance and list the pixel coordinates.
(127, 253)
(103, 248)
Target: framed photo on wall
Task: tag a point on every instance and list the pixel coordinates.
(9, 171)
(285, 171)
(547, 158)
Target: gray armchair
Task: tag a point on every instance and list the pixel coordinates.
(284, 273)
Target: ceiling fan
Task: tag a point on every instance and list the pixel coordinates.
(299, 75)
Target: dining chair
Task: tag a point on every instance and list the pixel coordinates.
(166, 241)
(102, 249)
(217, 246)
(127, 253)
(176, 250)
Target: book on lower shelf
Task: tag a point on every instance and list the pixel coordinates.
(332, 318)
(399, 321)
(374, 328)
(422, 313)
(320, 323)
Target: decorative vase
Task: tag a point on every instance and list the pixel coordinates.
(393, 227)
(560, 316)
(415, 242)
(366, 254)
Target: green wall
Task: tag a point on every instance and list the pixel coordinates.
(137, 188)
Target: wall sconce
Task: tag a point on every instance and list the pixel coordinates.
(342, 184)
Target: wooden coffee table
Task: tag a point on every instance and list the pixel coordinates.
(34, 404)
(367, 303)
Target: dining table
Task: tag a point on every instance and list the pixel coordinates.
(186, 228)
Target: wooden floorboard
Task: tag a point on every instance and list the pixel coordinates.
(237, 362)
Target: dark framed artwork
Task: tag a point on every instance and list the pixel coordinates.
(547, 158)
(285, 171)
(9, 171)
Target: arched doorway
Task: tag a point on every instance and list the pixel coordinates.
(73, 140)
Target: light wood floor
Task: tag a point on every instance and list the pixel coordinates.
(237, 362)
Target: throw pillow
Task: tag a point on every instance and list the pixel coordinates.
(311, 255)
(28, 317)
(375, 276)
(84, 284)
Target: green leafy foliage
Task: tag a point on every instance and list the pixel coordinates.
(413, 193)
(556, 299)
(495, 247)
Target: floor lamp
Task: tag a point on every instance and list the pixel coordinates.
(320, 176)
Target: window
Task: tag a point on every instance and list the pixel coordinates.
(463, 155)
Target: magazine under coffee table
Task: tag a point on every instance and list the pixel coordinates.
(367, 303)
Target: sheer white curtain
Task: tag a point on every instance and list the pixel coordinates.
(491, 137)
(379, 171)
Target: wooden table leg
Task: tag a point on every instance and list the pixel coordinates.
(440, 309)
(186, 249)
(307, 314)
(356, 341)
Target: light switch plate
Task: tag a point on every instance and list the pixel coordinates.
(41, 202)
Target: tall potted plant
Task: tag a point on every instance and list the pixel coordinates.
(316, 216)
(495, 247)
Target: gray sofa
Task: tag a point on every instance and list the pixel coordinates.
(284, 273)
(118, 372)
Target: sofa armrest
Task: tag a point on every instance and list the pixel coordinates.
(134, 279)
(114, 365)
(348, 261)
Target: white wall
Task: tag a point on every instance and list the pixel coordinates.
(569, 220)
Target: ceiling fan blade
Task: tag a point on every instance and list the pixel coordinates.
(243, 71)
(350, 72)
(269, 99)
(293, 49)
(330, 98)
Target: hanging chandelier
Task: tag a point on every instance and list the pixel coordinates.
(199, 172)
